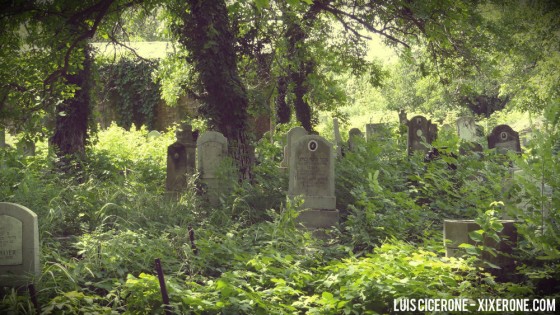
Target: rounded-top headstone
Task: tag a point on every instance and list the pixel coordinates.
(504, 139)
(19, 245)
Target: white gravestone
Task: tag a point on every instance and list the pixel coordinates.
(19, 245)
(466, 129)
(312, 175)
(212, 148)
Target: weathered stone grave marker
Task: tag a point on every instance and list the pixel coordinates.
(467, 129)
(337, 137)
(293, 135)
(504, 139)
(353, 135)
(26, 147)
(181, 159)
(420, 130)
(312, 175)
(212, 149)
(456, 232)
(377, 132)
(526, 136)
(19, 245)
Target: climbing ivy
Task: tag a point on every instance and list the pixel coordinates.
(129, 87)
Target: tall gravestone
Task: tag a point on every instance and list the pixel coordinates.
(504, 139)
(293, 135)
(377, 132)
(312, 175)
(466, 129)
(19, 245)
(420, 130)
(337, 137)
(181, 159)
(353, 135)
(212, 149)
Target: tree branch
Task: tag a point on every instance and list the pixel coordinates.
(338, 13)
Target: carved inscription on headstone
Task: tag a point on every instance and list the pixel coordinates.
(11, 246)
(312, 172)
(19, 245)
(504, 139)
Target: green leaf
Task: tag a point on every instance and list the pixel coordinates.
(261, 4)
(477, 236)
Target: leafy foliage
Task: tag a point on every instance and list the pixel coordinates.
(129, 86)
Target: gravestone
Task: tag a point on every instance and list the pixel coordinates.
(420, 130)
(526, 136)
(212, 149)
(504, 139)
(153, 134)
(26, 147)
(403, 120)
(19, 245)
(467, 129)
(353, 135)
(292, 135)
(337, 137)
(377, 132)
(181, 159)
(456, 232)
(312, 175)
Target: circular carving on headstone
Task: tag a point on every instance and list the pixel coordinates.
(176, 155)
(503, 136)
(419, 132)
(312, 145)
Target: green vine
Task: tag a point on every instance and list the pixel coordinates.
(128, 86)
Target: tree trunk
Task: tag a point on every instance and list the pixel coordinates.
(208, 36)
(302, 62)
(72, 115)
(283, 111)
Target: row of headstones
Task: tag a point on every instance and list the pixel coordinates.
(310, 162)
(422, 130)
(212, 148)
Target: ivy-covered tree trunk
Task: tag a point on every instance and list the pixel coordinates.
(302, 63)
(209, 38)
(283, 110)
(72, 115)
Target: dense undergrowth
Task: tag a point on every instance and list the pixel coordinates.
(101, 230)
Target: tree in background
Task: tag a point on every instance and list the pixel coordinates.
(46, 66)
